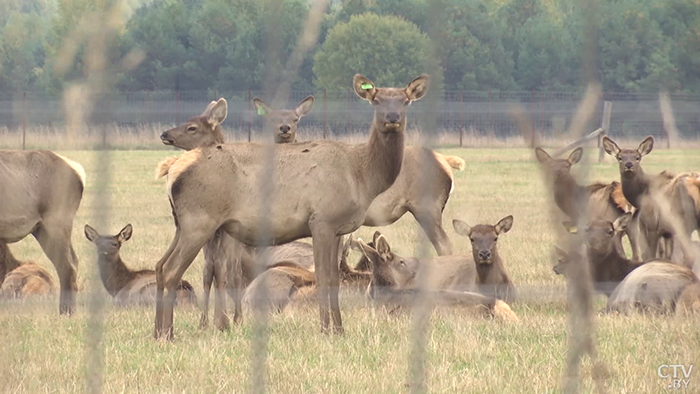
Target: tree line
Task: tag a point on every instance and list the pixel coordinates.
(477, 45)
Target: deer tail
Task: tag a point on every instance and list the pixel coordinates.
(455, 162)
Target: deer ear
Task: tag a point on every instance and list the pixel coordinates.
(561, 253)
(575, 156)
(305, 106)
(610, 146)
(208, 109)
(504, 225)
(376, 235)
(262, 107)
(646, 146)
(364, 88)
(542, 156)
(383, 248)
(91, 234)
(217, 113)
(621, 223)
(368, 251)
(417, 88)
(462, 228)
(125, 233)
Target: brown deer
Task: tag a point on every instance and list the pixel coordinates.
(124, 285)
(40, 194)
(333, 185)
(21, 279)
(640, 189)
(406, 194)
(607, 261)
(603, 201)
(390, 274)
(659, 286)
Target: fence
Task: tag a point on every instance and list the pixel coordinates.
(341, 112)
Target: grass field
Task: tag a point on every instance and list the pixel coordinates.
(42, 352)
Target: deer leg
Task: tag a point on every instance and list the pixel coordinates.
(335, 286)
(55, 242)
(207, 279)
(160, 285)
(323, 244)
(431, 222)
(235, 283)
(632, 232)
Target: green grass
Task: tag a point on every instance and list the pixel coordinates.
(42, 352)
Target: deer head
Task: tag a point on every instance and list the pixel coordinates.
(483, 237)
(390, 103)
(284, 121)
(558, 167)
(388, 268)
(108, 245)
(603, 237)
(629, 159)
(201, 130)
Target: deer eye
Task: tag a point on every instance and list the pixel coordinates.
(296, 120)
(375, 102)
(191, 129)
(402, 262)
(495, 239)
(639, 158)
(619, 158)
(611, 232)
(471, 239)
(406, 103)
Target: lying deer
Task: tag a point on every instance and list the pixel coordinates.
(40, 193)
(334, 184)
(390, 273)
(128, 287)
(406, 194)
(603, 201)
(22, 279)
(640, 190)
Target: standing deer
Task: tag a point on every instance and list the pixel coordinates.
(639, 190)
(322, 189)
(406, 194)
(603, 201)
(391, 275)
(21, 279)
(123, 284)
(40, 194)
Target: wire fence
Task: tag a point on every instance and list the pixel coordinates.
(342, 112)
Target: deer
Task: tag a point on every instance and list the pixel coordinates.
(217, 186)
(41, 192)
(640, 190)
(603, 201)
(21, 279)
(127, 286)
(406, 194)
(391, 274)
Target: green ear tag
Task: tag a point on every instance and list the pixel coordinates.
(367, 86)
(261, 111)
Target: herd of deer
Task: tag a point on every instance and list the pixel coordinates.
(326, 190)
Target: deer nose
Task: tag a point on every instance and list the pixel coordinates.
(285, 128)
(164, 135)
(629, 164)
(484, 255)
(392, 117)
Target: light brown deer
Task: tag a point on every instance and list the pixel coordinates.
(603, 201)
(22, 279)
(40, 194)
(391, 274)
(639, 189)
(126, 286)
(322, 189)
(407, 194)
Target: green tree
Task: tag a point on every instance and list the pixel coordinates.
(386, 49)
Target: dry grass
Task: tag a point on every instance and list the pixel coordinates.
(41, 351)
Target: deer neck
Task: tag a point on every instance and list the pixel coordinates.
(114, 273)
(568, 195)
(483, 271)
(383, 157)
(634, 186)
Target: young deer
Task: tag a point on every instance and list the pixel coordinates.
(124, 285)
(334, 183)
(391, 276)
(639, 190)
(406, 194)
(603, 201)
(21, 279)
(492, 278)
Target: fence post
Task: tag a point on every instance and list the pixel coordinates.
(177, 107)
(250, 120)
(347, 116)
(607, 111)
(490, 112)
(324, 114)
(24, 121)
(461, 123)
(148, 106)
